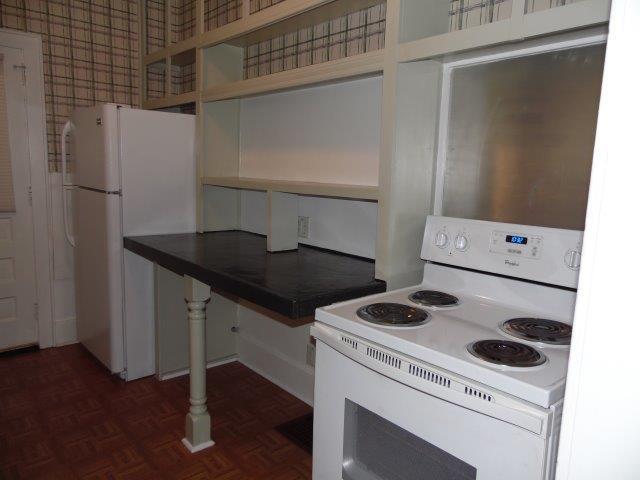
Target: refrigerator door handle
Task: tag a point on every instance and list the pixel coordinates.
(67, 130)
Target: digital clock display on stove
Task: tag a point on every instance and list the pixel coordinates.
(517, 239)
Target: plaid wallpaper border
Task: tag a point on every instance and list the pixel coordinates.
(91, 53)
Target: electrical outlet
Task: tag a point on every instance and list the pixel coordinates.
(311, 354)
(303, 227)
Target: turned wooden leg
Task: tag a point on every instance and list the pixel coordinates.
(198, 422)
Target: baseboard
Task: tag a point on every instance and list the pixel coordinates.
(293, 377)
(64, 332)
(185, 371)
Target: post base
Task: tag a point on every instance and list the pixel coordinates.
(197, 448)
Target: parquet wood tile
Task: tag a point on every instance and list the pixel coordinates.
(63, 416)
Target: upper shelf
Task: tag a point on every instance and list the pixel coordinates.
(365, 64)
(362, 192)
(435, 39)
(284, 17)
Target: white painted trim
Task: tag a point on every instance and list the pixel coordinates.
(31, 44)
(199, 448)
(263, 358)
(185, 371)
(487, 56)
(64, 331)
(287, 388)
(600, 433)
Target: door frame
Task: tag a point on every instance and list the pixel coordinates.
(31, 44)
(601, 417)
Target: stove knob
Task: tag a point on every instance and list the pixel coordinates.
(572, 259)
(462, 243)
(442, 239)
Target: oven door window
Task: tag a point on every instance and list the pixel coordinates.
(376, 449)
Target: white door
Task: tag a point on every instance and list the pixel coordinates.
(18, 309)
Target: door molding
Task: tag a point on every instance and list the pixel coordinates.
(31, 44)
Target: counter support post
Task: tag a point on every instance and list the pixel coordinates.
(198, 421)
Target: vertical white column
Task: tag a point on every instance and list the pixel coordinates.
(198, 421)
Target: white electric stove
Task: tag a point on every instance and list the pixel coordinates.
(460, 377)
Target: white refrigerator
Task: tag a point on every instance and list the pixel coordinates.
(133, 173)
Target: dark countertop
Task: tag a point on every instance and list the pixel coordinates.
(292, 283)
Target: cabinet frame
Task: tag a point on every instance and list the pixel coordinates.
(403, 203)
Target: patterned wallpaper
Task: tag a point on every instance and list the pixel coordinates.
(90, 52)
(359, 32)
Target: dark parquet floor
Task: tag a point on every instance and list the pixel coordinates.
(63, 416)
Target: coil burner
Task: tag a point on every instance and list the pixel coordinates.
(538, 330)
(433, 298)
(506, 353)
(393, 315)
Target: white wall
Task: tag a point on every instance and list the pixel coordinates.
(347, 226)
(253, 211)
(279, 139)
(338, 224)
(329, 133)
(276, 351)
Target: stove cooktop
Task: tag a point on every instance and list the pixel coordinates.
(535, 371)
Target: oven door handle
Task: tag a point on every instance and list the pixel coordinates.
(436, 382)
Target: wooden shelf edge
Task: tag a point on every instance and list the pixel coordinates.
(170, 101)
(362, 192)
(585, 13)
(350, 67)
(457, 41)
(581, 14)
(175, 49)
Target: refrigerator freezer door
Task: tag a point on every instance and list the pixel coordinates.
(158, 172)
(95, 147)
(98, 260)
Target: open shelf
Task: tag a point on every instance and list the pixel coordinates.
(579, 14)
(440, 38)
(170, 101)
(182, 19)
(183, 72)
(155, 81)
(281, 18)
(361, 192)
(282, 99)
(365, 64)
(438, 27)
(456, 41)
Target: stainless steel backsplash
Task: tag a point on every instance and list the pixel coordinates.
(520, 138)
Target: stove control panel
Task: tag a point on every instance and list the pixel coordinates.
(548, 255)
(516, 244)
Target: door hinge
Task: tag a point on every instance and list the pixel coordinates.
(23, 68)
(30, 195)
(36, 311)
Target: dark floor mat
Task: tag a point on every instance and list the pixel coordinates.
(19, 351)
(299, 431)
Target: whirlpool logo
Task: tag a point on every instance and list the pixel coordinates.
(512, 263)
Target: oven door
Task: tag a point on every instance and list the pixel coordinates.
(370, 427)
